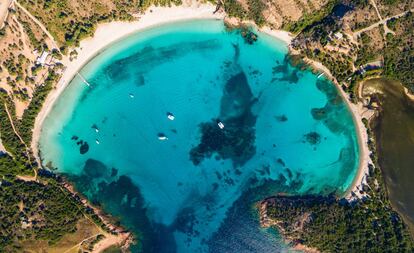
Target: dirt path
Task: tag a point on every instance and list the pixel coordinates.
(376, 9)
(79, 244)
(2, 148)
(39, 24)
(12, 124)
(381, 22)
(4, 10)
(386, 29)
(20, 138)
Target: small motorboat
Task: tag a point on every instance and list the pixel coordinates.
(97, 141)
(95, 127)
(131, 95)
(170, 116)
(162, 137)
(220, 124)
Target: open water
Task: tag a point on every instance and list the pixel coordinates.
(284, 130)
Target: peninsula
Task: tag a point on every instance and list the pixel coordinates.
(45, 45)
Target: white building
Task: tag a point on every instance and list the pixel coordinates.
(338, 35)
(41, 60)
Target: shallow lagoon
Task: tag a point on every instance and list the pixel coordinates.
(284, 131)
(394, 133)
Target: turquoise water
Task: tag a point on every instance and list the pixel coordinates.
(284, 131)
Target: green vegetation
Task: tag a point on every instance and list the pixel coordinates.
(254, 12)
(41, 210)
(335, 226)
(340, 66)
(392, 23)
(234, 9)
(33, 40)
(393, 7)
(39, 96)
(399, 53)
(2, 32)
(32, 210)
(256, 8)
(367, 53)
(45, 210)
(20, 162)
(331, 225)
(29, 210)
(70, 22)
(112, 249)
(144, 4)
(309, 19)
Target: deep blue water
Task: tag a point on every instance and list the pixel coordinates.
(284, 131)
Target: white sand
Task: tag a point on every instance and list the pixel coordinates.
(111, 32)
(279, 34)
(358, 112)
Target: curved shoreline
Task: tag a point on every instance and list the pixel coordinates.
(105, 35)
(357, 112)
(108, 33)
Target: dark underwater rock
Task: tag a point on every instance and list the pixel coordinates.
(84, 147)
(114, 172)
(249, 36)
(94, 168)
(313, 138)
(281, 118)
(236, 140)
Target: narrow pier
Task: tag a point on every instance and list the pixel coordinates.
(83, 79)
(321, 75)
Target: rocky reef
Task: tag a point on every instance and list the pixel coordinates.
(235, 139)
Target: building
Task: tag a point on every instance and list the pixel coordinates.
(338, 35)
(41, 60)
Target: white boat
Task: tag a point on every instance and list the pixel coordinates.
(162, 137)
(97, 141)
(131, 95)
(95, 127)
(220, 124)
(170, 116)
(321, 75)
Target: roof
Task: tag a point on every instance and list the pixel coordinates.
(42, 58)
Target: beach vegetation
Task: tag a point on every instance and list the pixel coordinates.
(399, 52)
(234, 9)
(112, 249)
(39, 96)
(332, 224)
(11, 141)
(2, 32)
(256, 8)
(144, 4)
(70, 23)
(35, 211)
(310, 18)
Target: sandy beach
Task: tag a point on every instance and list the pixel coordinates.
(105, 35)
(108, 33)
(358, 113)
